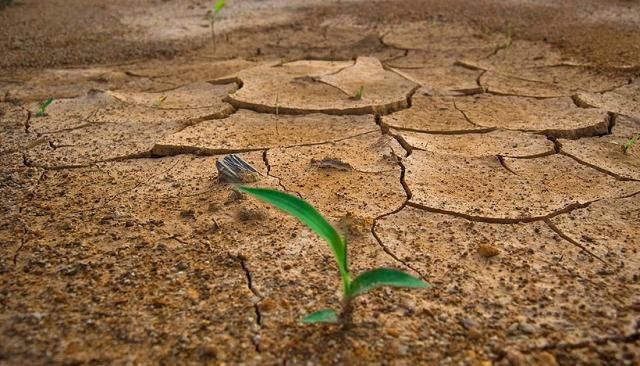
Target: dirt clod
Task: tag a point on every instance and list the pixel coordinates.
(488, 250)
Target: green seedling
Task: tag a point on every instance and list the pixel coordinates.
(630, 144)
(43, 108)
(359, 93)
(362, 284)
(158, 103)
(508, 40)
(211, 15)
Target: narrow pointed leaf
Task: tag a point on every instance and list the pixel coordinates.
(219, 5)
(322, 316)
(46, 103)
(306, 213)
(384, 277)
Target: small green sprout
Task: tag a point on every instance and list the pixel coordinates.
(630, 144)
(508, 40)
(43, 107)
(158, 103)
(362, 284)
(211, 15)
(359, 93)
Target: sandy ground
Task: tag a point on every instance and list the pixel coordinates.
(485, 156)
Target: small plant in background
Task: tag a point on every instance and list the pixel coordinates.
(434, 20)
(362, 284)
(43, 108)
(359, 93)
(211, 15)
(627, 146)
(507, 36)
(158, 103)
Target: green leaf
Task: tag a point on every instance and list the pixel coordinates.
(219, 5)
(629, 144)
(46, 103)
(384, 277)
(322, 316)
(309, 216)
(43, 107)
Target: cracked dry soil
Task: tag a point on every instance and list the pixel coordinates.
(492, 168)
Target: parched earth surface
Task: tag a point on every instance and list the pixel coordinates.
(485, 156)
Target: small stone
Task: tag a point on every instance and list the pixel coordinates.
(193, 294)
(394, 332)
(468, 323)
(188, 214)
(251, 214)
(355, 225)
(208, 351)
(515, 357)
(232, 169)
(475, 333)
(527, 328)
(546, 358)
(331, 163)
(268, 305)
(235, 196)
(488, 250)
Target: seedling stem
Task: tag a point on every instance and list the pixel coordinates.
(211, 14)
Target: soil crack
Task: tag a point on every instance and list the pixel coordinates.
(408, 194)
(255, 339)
(566, 237)
(504, 165)
(629, 338)
(265, 159)
(467, 117)
(501, 220)
(23, 240)
(598, 168)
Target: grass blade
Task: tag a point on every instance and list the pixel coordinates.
(219, 5)
(46, 103)
(309, 216)
(43, 107)
(323, 316)
(384, 277)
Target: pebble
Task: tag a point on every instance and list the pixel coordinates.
(547, 359)
(488, 250)
(527, 328)
(468, 323)
(515, 357)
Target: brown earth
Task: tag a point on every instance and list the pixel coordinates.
(490, 165)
